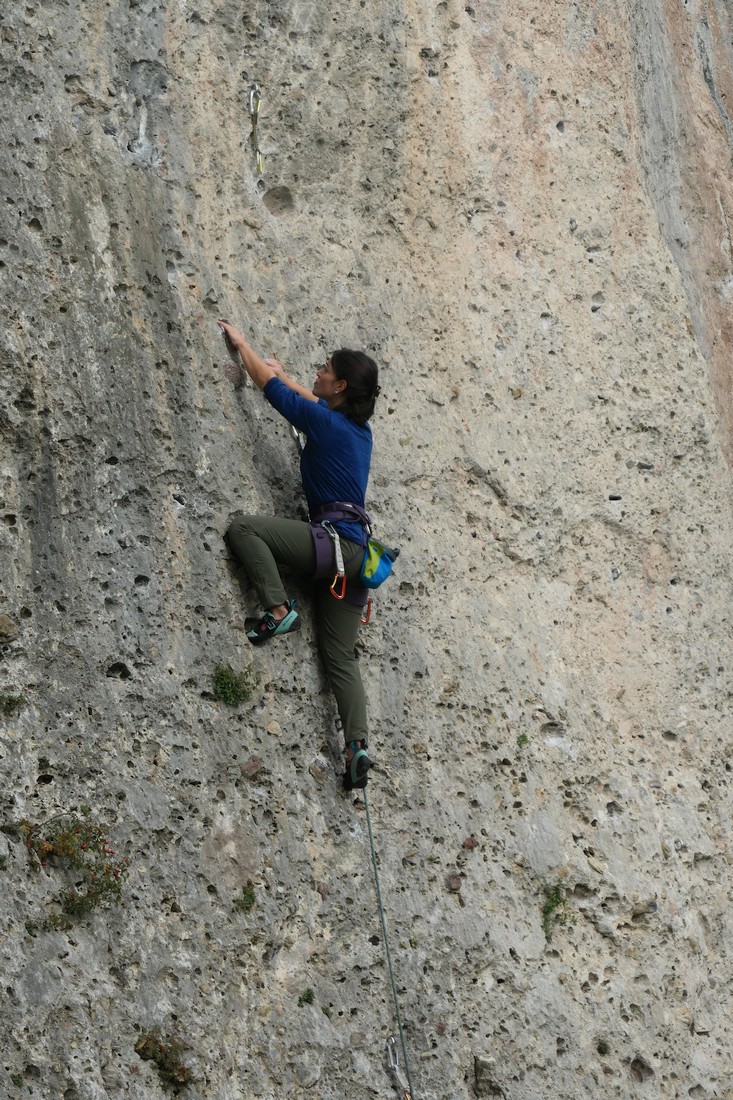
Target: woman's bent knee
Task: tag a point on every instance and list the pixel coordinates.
(240, 525)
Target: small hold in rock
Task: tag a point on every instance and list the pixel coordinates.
(252, 767)
(279, 200)
(119, 671)
(640, 1069)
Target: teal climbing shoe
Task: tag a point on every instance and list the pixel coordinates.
(357, 769)
(268, 627)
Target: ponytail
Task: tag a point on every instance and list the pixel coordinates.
(361, 375)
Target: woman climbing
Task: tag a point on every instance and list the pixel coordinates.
(334, 468)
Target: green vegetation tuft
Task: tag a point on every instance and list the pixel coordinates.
(306, 998)
(77, 844)
(233, 688)
(11, 704)
(555, 909)
(246, 901)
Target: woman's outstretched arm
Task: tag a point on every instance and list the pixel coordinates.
(290, 382)
(260, 370)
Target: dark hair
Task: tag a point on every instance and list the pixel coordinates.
(361, 375)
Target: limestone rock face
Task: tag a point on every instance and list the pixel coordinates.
(523, 211)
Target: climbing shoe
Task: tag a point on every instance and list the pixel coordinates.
(357, 769)
(268, 627)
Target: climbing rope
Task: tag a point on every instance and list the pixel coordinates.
(255, 99)
(402, 1080)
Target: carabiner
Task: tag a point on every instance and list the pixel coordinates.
(393, 1065)
(254, 101)
(339, 595)
(367, 614)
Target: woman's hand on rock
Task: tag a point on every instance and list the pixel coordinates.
(231, 334)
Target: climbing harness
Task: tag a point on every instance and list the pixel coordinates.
(255, 99)
(402, 1081)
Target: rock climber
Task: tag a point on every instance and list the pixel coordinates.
(334, 468)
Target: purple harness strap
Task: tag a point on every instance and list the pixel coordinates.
(342, 511)
(323, 546)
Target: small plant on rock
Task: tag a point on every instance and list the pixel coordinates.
(11, 704)
(306, 998)
(246, 902)
(232, 687)
(555, 909)
(166, 1055)
(77, 844)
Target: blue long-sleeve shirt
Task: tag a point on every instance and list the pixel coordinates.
(335, 461)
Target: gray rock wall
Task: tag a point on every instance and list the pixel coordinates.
(498, 202)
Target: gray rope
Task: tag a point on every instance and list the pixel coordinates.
(408, 1095)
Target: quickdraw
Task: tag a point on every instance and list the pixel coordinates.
(338, 584)
(255, 100)
(393, 1065)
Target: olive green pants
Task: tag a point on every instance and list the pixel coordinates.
(260, 544)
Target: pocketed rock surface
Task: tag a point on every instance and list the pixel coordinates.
(523, 211)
